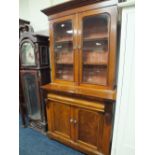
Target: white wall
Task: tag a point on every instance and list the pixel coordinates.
(24, 9)
(123, 138)
(30, 10)
(37, 18)
(55, 2)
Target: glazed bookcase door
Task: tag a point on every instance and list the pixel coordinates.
(63, 50)
(97, 52)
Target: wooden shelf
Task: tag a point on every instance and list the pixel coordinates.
(63, 63)
(64, 41)
(96, 37)
(102, 81)
(96, 64)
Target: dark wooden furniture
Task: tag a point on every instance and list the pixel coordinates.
(80, 99)
(22, 105)
(34, 72)
(23, 22)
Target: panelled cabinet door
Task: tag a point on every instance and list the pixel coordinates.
(89, 130)
(97, 47)
(63, 49)
(58, 115)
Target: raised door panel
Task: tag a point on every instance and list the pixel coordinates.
(58, 115)
(97, 45)
(63, 49)
(89, 130)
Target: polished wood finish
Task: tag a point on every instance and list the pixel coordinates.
(72, 18)
(78, 102)
(61, 117)
(82, 124)
(112, 11)
(23, 21)
(82, 91)
(77, 20)
(75, 4)
(80, 113)
(85, 128)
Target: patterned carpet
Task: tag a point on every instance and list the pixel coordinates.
(32, 142)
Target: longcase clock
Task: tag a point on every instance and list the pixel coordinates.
(34, 72)
(22, 106)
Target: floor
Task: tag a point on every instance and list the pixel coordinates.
(32, 142)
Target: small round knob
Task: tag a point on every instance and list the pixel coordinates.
(75, 121)
(71, 120)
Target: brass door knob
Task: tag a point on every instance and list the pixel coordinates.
(71, 120)
(75, 121)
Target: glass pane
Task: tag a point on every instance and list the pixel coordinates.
(64, 72)
(95, 49)
(28, 55)
(63, 31)
(31, 96)
(44, 55)
(63, 50)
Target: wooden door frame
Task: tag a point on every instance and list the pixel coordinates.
(112, 11)
(75, 71)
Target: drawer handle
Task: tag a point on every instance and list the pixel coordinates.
(75, 121)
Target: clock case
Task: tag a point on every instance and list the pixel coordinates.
(22, 106)
(33, 76)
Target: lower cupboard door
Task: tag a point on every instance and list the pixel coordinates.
(89, 127)
(58, 115)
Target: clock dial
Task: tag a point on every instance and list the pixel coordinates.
(28, 55)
